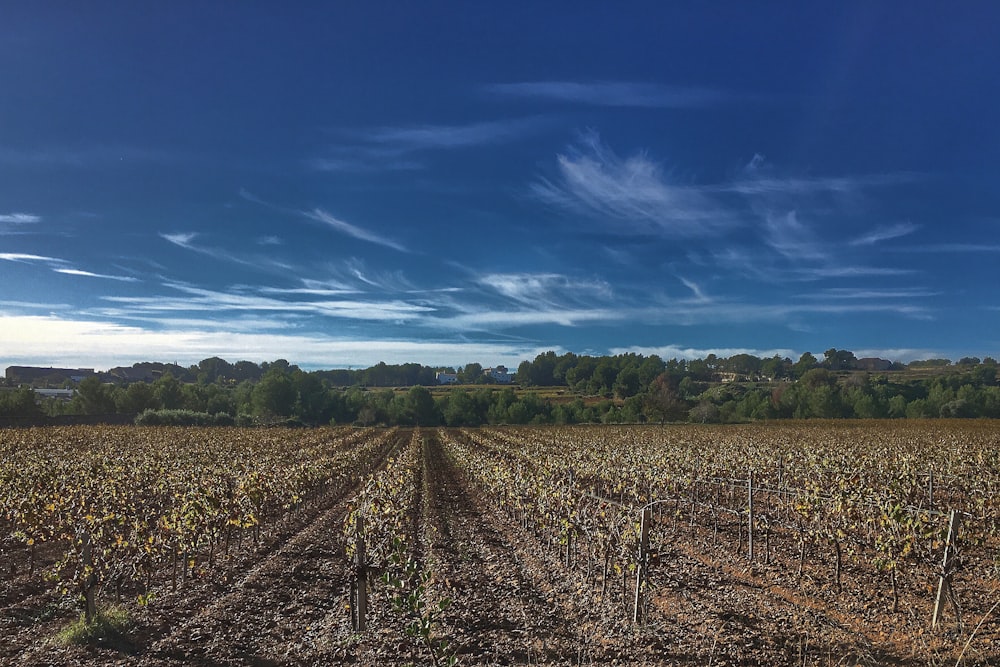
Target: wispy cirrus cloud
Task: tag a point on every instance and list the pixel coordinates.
(27, 257)
(59, 266)
(793, 185)
(545, 288)
(594, 181)
(187, 240)
(400, 148)
(354, 231)
(248, 301)
(19, 218)
(696, 289)
(680, 312)
(182, 239)
(876, 293)
(431, 137)
(849, 271)
(89, 274)
(791, 238)
(615, 94)
(885, 233)
(490, 319)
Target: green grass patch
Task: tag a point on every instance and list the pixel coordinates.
(109, 627)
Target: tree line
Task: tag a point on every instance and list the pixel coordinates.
(627, 388)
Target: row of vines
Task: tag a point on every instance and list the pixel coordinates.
(94, 508)
(824, 499)
(387, 537)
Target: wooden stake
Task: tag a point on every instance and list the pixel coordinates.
(750, 516)
(944, 578)
(89, 583)
(640, 570)
(361, 569)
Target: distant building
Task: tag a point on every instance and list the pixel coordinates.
(873, 364)
(37, 375)
(500, 374)
(61, 394)
(446, 378)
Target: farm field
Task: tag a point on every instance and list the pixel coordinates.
(808, 543)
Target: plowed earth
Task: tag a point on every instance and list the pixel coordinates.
(284, 601)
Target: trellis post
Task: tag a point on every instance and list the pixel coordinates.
(640, 570)
(947, 565)
(750, 516)
(361, 575)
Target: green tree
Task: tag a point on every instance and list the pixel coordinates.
(839, 360)
(627, 382)
(19, 403)
(705, 412)
(421, 404)
(806, 362)
(93, 397)
(168, 392)
(471, 374)
(312, 403)
(897, 407)
(662, 402)
(275, 395)
(775, 367)
(213, 369)
(459, 409)
(650, 367)
(603, 379)
(136, 398)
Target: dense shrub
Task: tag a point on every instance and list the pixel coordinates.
(183, 418)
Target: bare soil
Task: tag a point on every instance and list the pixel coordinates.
(284, 601)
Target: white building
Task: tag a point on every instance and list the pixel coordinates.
(446, 378)
(500, 374)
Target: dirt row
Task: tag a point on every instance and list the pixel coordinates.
(271, 603)
(508, 598)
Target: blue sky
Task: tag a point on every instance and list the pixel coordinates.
(339, 184)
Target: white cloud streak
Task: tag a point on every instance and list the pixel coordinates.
(352, 230)
(393, 148)
(196, 299)
(19, 218)
(545, 288)
(883, 293)
(26, 257)
(89, 274)
(182, 239)
(880, 234)
(808, 186)
(423, 137)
